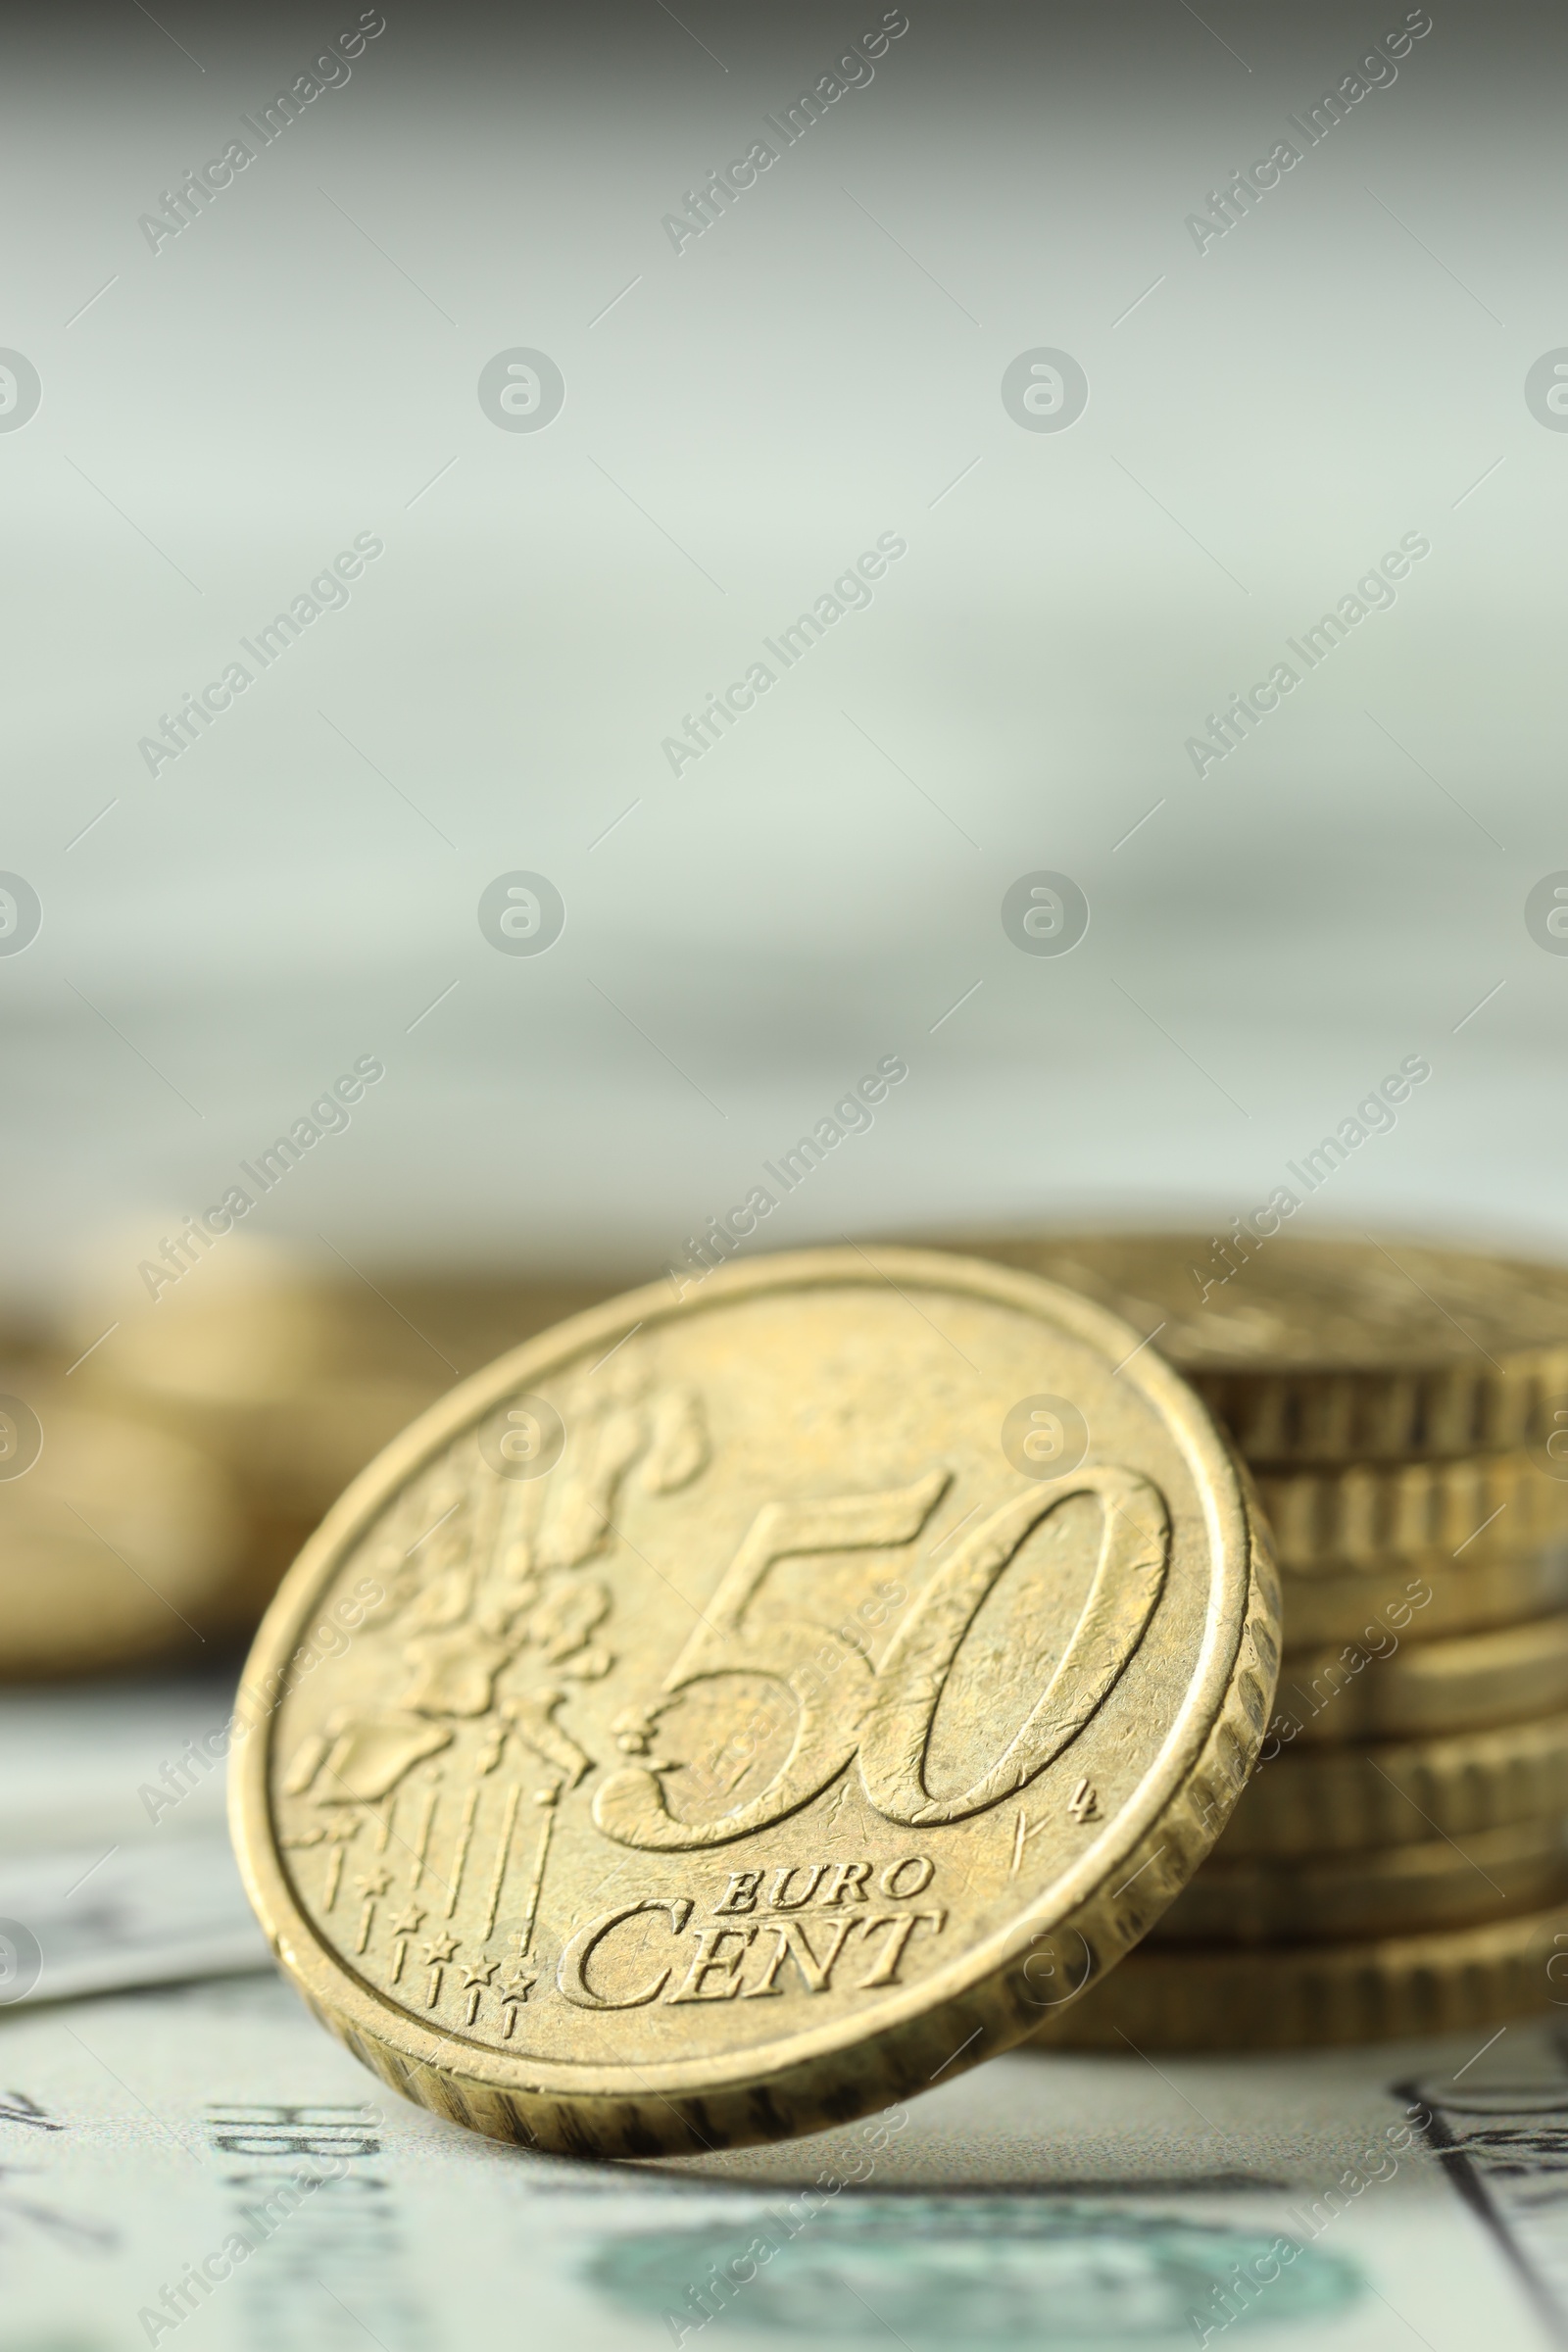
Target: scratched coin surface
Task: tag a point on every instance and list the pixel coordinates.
(697, 1727)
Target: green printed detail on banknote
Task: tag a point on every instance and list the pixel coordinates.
(976, 2272)
(1063, 2203)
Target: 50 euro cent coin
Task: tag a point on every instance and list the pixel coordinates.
(745, 1693)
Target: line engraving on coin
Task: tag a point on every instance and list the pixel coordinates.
(887, 1720)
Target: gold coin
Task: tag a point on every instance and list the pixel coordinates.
(1421, 1599)
(117, 1540)
(833, 1637)
(1338, 1800)
(1314, 1995)
(297, 1381)
(1381, 1687)
(250, 1320)
(291, 1382)
(471, 1320)
(1393, 1890)
(1335, 1350)
(1366, 1513)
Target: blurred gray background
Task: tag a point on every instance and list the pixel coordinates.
(301, 363)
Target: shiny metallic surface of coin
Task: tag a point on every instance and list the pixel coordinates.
(727, 1715)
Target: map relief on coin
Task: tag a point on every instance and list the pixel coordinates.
(492, 1616)
(430, 1814)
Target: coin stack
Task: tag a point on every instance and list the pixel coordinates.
(1398, 1864)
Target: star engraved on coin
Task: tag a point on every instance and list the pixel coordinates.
(476, 1977)
(514, 1989)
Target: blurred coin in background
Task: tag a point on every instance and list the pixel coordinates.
(120, 1544)
(289, 1372)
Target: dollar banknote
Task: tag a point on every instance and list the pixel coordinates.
(95, 1764)
(204, 2163)
(198, 2158)
(116, 1868)
(84, 1921)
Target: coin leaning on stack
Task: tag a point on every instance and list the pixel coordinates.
(1396, 1865)
(728, 1724)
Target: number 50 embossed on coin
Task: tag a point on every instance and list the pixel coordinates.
(728, 1777)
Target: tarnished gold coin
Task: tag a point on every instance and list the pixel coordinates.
(733, 1697)
(1336, 1350)
(1385, 1688)
(1391, 1891)
(1337, 1801)
(1418, 1599)
(1368, 1512)
(1317, 1994)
